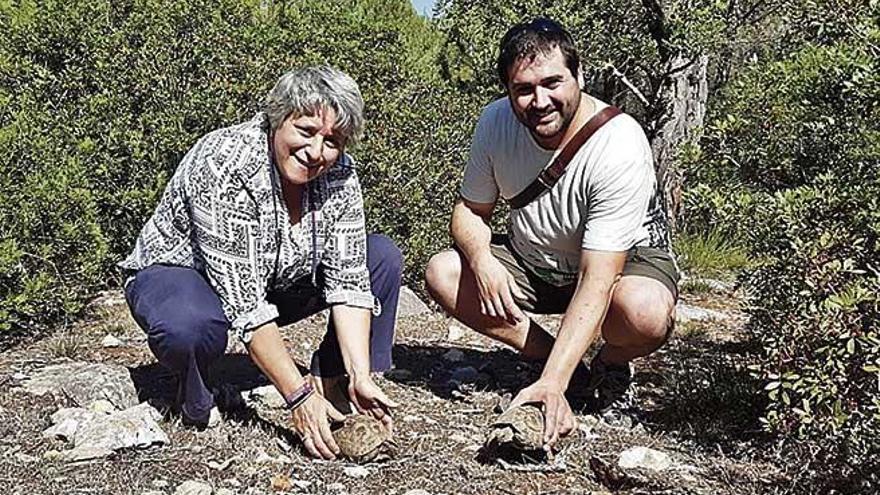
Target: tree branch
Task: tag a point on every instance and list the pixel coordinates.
(632, 87)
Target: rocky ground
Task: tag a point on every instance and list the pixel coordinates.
(695, 430)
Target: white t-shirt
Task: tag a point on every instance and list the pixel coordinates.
(607, 200)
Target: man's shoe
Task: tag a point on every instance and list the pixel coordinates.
(610, 386)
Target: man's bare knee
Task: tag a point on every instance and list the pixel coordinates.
(639, 315)
(443, 273)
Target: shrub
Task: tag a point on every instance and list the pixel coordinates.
(789, 164)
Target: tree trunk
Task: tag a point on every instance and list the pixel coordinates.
(681, 112)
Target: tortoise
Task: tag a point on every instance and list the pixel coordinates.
(363, 438)
(519, 429)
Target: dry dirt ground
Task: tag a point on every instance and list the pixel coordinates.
(694, 398)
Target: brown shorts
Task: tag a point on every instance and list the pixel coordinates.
(545, 298)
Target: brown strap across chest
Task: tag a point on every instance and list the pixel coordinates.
(551, 174)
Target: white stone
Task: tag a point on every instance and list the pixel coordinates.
(84, 383)
(220, 466)
(193, 488)
(685, 313)
(111, 341)
(96, 435)
(644, 458)
(335, 487)
(455, 333)
(102, 406)
(267, 396)
(356, 471)
(417, 491)
(160, 483)
(453, 356)
(153, 492)
(25, 458)
(409, 304)
(214, 418)
(224, 491)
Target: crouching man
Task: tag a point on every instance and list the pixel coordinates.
(588, 238)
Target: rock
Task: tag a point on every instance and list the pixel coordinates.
(417, 491)
(193, 488)
(465, 374)
(220, 466)
(214, 418)
(455, 333)
(453, 356)
(398, 375)
(160, 483)
(263, 457)
(85, 383)
(644, 458)
(409, 304)
(102, 406)
(224, 491)
(233, 482)
(52, 456)
(267, 396)
(153, 492)
(281, 483)
(26, 458)
(335, 487)
(711, 283)
(96, 435)
(301, 484)
(685, 313)
(111, 341)
(356, 471)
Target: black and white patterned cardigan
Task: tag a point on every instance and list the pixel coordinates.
(222, 213)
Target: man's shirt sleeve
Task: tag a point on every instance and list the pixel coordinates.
(479, 183)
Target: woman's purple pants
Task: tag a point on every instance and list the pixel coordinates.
(187, 330)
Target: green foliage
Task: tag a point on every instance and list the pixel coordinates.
(816, 314)
(788, 164)
(100, 100)
(709, 254)
(638, 39)
(786, 122)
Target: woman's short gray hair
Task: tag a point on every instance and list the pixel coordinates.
(305, 91)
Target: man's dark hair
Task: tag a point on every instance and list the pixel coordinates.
(538, 36)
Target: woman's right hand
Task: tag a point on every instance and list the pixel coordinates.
(310, 420)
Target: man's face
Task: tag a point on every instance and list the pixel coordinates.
(544, 95)
(306, 146)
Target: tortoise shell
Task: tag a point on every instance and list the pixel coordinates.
(363, 438)
(520, 428)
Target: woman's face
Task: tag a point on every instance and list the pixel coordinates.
(307, 145)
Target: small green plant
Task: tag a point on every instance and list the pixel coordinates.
(710, 254)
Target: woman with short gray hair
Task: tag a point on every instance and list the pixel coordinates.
(262, 225)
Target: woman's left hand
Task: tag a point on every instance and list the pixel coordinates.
(368, 398)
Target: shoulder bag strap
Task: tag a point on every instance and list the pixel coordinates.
(551, 174)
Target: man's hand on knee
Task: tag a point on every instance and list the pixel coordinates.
(498, 289)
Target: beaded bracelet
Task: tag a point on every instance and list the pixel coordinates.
(299, 396)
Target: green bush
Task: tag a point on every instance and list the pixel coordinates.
(816, 312)
(790, 165)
